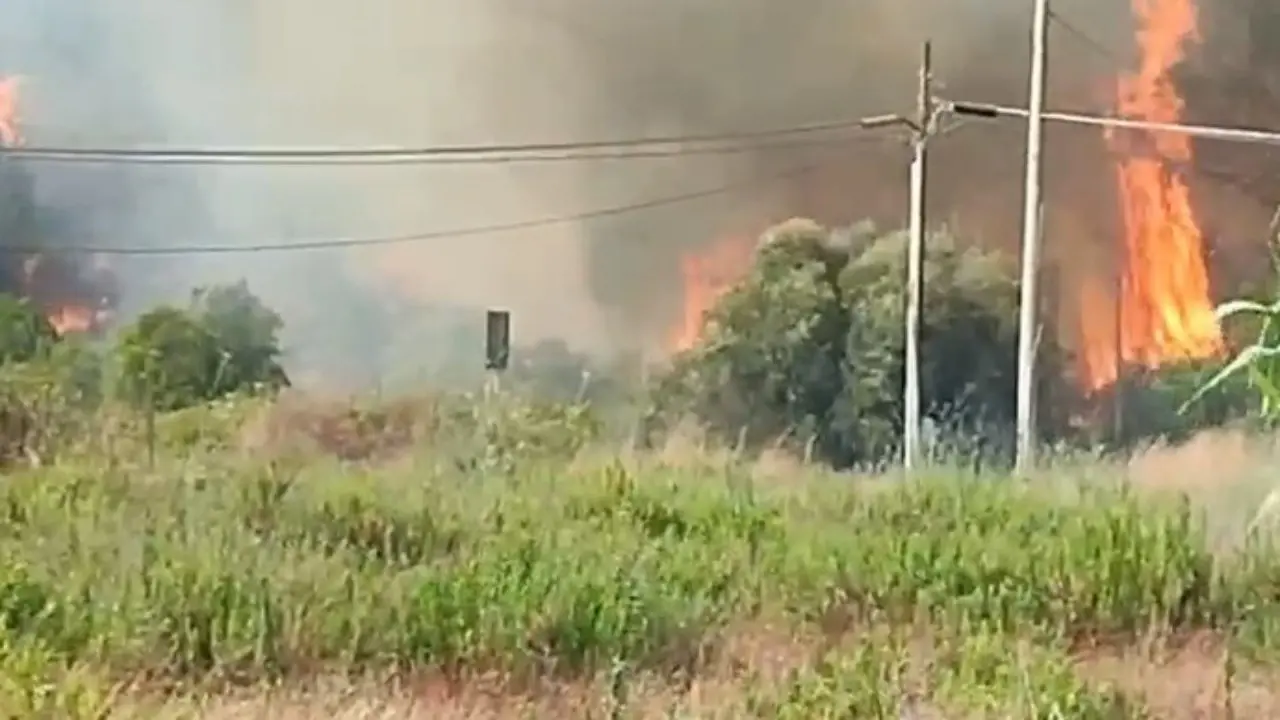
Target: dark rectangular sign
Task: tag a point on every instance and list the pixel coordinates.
(497, 346)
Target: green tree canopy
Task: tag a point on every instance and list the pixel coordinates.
(809, 347)
(225, 342)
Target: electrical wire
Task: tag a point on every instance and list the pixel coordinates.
(1114, 59)
(1208, 132)
(1079, 34)
(452, 160)
(656, 146)
(354, 242)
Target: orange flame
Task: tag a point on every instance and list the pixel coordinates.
(1166, 310)
(72, 319)
(706, 275)
(66, 316)
(9, 135)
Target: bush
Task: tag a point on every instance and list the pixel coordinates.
(809, 347)
(247, 335)
(226, 342)
(44, 403)
(1157, 404)
(25, 333)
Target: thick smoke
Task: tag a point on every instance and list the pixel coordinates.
(324, 72)
(1233, 79)
(662, 68)
(155, 73)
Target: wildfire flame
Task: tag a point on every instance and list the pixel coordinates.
(73, 319)
(705, 276)
(66, 316)
(41, 283)
(1166, 312)
(9, 135)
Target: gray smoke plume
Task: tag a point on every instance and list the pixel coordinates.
(330, 73)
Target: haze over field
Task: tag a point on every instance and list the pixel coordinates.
(327, 73)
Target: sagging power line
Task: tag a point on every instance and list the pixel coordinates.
(655, 146)
(861, 126)
(469, 231)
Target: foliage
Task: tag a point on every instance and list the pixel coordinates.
(1158, 404)
(1255, 326)
(226, 342)
(810, 346)
(252, 570)
(25, 333)
(46, 385)
(246, 333)
(770, 363)
(1258, 363)
(168, 360)
(48, 404)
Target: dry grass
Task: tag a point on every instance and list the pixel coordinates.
(1187, 682)
(298, 424)
(1206, 465)
(753, 659)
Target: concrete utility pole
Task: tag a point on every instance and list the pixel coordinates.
(1032, 218)
(915, 262)
(922, 126)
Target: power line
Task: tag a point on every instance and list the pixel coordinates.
(1208, 132)
(1075, 31)
(334, 243)
(504, 153)
(1114, 59)
(490, 159)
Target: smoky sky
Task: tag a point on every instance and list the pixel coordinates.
(423, 72)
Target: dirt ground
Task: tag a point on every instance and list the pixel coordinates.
(1188, 683)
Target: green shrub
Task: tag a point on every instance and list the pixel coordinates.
(25, 333)
(809, 347)
(226, 342)
(1156, 405)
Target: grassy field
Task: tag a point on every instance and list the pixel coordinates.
(223, 576)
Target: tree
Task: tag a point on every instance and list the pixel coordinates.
(225, 342)
(770, 360)
(25, 333)
(246, 333)
(809, 347)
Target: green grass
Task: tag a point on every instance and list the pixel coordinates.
(218, 567)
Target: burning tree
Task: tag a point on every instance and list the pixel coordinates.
(1163, 311)
(75, 296)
